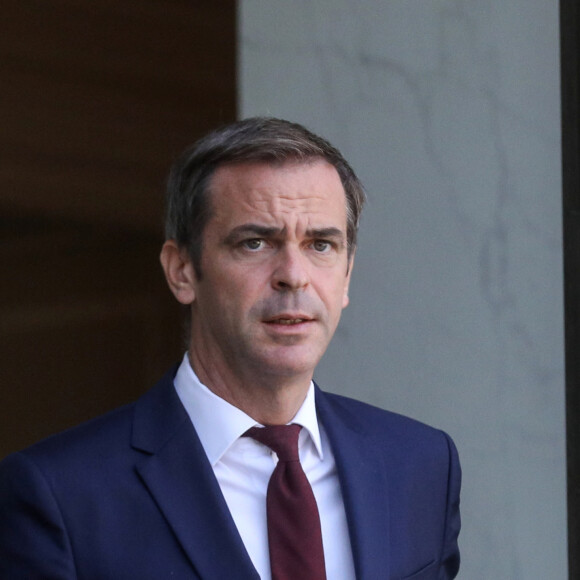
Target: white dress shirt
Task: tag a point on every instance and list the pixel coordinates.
(243, 468)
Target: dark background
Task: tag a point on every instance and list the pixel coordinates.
(570, 70)
(97, 99)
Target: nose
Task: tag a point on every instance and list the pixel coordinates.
(291, 270)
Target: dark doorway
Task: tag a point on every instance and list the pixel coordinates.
(570, 70)
(97, 99)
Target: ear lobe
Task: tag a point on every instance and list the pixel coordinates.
(178, 271)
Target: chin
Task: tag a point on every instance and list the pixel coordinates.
(290, 366)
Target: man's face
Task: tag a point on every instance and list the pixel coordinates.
(275, 269)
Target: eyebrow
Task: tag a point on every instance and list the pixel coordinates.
(251, 229)
(261, 231)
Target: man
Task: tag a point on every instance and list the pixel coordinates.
(261, 234)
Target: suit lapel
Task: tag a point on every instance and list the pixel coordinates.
(363, 482)
(180, 479)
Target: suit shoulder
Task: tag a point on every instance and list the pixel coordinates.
(97, 435)
(382, 423)
(102, 435)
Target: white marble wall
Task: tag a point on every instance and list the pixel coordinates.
(449, 111)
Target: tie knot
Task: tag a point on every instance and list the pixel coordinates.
(282, 439)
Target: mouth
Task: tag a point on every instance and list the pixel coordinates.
(288, 320)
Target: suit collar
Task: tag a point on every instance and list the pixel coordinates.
(178, 475)
(363, 482)
(219, 424)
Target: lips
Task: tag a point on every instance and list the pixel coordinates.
(288, 320)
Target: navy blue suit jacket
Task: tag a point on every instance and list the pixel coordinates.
(132, 496)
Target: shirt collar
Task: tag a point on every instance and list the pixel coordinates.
(219, 424)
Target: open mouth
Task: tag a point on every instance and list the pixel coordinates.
(288, 321)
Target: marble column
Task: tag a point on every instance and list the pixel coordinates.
(449, 111)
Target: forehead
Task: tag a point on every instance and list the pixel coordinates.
(276, 191)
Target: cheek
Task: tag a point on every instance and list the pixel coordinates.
(336, 295)
(236, 294)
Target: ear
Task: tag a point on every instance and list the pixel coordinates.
(345, 298)
(179, 271)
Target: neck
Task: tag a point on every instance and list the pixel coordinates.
(268, 399)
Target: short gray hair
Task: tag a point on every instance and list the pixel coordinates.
(257, 139)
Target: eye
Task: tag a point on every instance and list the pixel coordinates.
(322, 246)
(253, 244)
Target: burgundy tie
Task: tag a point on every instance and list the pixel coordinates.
(294, 534)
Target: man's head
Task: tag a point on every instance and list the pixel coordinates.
(267, 140)
(261, 237)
